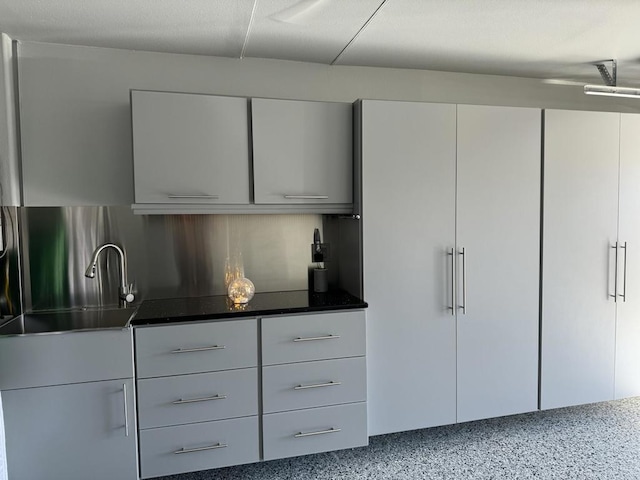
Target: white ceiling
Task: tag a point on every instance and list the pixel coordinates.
(548, 39)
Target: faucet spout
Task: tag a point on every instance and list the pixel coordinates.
(125, 291)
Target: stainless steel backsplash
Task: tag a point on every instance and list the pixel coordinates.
(168, 255)
(10, 293)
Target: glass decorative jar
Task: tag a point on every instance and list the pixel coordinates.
(241, 290)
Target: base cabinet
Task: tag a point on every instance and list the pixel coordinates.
(69, 432)
(199, 395)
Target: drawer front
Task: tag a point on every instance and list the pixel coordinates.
(196, 398)
(309, 337)
(194, 348)
(75, 357)
(200, 446)
(314, 384)
(315, 430)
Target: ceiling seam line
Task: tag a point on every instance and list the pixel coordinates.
(359, 32)
(246, 37)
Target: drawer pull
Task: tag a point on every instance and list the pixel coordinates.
(321, 432)
(310, 339)
(201, 449)
(203, 399)
(317, 385)
(199, 349)
(306, 197)
(203, 196)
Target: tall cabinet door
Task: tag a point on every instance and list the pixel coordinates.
(498, 227)
(581, 152)
(628, 322)
(408, 176)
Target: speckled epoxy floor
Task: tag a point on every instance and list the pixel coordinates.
(599, 441)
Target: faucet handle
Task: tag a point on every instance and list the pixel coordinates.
(127, 293)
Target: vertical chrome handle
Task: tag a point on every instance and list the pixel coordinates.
(624, 274)
(464, 281)
(615, 275)
(453, 282)
(126, 417)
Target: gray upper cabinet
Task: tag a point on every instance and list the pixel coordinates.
(581, 156)
(303, 154)
(190, 152)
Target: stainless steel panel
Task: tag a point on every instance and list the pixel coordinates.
(10, 293)
(168, 255)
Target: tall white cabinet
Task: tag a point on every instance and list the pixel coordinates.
(627, 374)
(451, 204)
(590, 301)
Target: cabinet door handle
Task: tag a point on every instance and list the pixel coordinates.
(463, 254)
(126, 416)
(453, 282)
(615, 275)
(317, 385)
(201, 449)
(202, 399)
(306, 197)
(311, 339)
(194, 196)
(199, 349)
(624, 274)
(321, 432)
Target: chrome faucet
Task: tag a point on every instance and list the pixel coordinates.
(125, 291)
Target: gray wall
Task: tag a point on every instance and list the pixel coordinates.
(9, 166)
(75, 120)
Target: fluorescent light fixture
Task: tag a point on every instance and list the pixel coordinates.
(612, 91)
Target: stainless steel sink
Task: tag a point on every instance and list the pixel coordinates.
(67, 321)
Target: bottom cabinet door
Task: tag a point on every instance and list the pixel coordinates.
(69, 432)
(198, 446)
(314, 430)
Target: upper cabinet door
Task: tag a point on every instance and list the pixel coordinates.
(581, 152)
(498, 226)
(302, 152)
(628, 321)
(190, 149)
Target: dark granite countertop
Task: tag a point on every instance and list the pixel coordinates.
(220, 307)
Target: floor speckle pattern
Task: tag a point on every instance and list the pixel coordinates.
(599, 441)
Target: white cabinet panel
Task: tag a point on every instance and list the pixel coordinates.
(579, 228)
(302, 152)
(190, 149)
(498, 225)
(408, 200)
(71, 432)
(627, 381)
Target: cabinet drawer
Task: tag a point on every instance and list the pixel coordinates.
(200, 446)
(315, 430)
(199, 397)
(309, 337)
(41, 360)
(194, 348)
(314, 384)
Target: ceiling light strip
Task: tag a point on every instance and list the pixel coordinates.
(612, 91)
(359, 31)
(246, 37)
